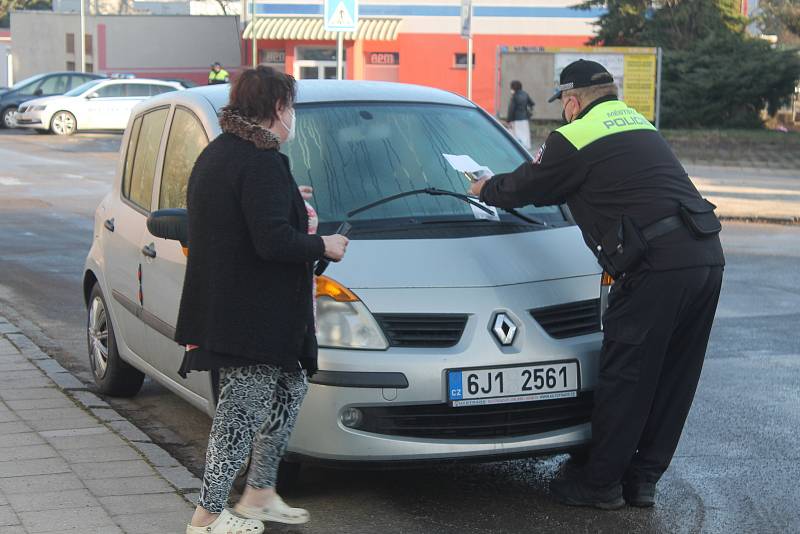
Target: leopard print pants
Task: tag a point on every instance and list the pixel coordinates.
(257, 410)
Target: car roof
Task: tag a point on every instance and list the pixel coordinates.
(140, 80)
(317, 91)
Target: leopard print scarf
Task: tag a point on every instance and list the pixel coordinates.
(233, 122)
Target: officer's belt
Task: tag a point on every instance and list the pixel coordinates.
(662, 227)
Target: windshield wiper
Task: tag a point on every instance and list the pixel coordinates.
(441, 192)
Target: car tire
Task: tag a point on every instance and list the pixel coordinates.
(7, 120)
(112, 375)
(63, 123)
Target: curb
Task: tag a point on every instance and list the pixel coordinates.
(784, 221)
(176, 475)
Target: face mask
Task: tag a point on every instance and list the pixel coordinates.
(564, 115)
(290, 128)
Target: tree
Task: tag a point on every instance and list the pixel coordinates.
(7, 6)
(777, 15)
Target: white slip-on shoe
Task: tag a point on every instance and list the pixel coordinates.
(277, 511)
(227, 523)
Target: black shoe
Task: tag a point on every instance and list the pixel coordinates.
(574, 492)
(639, 494)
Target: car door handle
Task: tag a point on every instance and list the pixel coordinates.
(149, 250)
(109, 224)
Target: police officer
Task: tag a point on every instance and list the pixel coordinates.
(218, 75)
(643, 218)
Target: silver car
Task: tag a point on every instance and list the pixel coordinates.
(447, 333)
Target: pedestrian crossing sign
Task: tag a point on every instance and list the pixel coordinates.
(341, 15)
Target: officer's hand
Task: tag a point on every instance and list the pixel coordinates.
(307, 192)
(476, 187)
(335, 246)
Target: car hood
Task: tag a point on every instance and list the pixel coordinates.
(465, 262)
(45, 100)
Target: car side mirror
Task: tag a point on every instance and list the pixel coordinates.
(170, 223)
(91, 96)
(38, 92)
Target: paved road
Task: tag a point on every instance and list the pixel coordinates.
(735, 471)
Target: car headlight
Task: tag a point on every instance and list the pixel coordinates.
(343, 321)
(37, 108)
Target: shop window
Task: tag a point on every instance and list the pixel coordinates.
(318, 54)
(461, 61)
(272, 58)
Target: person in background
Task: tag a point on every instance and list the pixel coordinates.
(246, 310)
(218, 75)
(520, 111)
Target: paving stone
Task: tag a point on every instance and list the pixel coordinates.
(20, 440)
(35, 404)
(16, 358)
(193, 497)
(89, 399)
(66, 381)
(180, 477)
(84, 518)
(48, 392)
(159, 523)
(14, 427)
(67, 423)
(137, 504)
(40, 483)
(100, 454)
(50, 366)
(21, 365)
(31, 452)
(107, 414)
(17, 529)
(8, 328)
(25, 468)
(7, 416)
(65, 411)
(23, 380)
(156, 455)
(106, 487)
(127, 468)
(129, 431)
(52, 500)
(105, 439)
(104, 529)
(8, 517)
(71, 432)
(3, 500)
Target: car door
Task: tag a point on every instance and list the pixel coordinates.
(54, 85)
(163, 274)
(124, 256)
(101, 108)
(133, 93)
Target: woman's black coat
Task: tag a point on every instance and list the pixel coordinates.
(248, 281)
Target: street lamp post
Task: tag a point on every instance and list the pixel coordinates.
(253, 33)
(83, 35)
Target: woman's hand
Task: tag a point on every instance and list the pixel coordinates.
(335, 246)
(307, 192)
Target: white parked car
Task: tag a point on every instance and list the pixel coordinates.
(96, 105)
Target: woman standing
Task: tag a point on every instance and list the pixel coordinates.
(520, 111)
(246, 309)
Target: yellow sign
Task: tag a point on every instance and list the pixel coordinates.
(639, 84)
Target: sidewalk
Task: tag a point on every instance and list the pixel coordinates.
(768, 195)
(70, 463)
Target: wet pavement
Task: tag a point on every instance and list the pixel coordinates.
(735, 469)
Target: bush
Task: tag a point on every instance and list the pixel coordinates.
(725, 81)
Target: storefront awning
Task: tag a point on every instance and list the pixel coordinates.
(312, 29)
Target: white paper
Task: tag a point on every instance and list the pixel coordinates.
(463, 163)
(480, 214)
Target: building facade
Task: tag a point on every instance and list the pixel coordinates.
(413, 41)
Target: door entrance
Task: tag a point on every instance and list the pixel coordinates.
(316, 64)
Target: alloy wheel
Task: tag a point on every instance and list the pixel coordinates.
(9, 118)
(98, 337)
(64, 123)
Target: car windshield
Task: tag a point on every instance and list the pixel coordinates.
(26, 81)
(78, 91)
(356, 153)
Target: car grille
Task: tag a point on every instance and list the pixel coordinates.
(569, 320)
(442, 421)
(422, 330)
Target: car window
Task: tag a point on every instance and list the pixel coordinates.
(81, 89)
(30, 89)
(111, 91)
(129, 156)
(137, 89)
(187, 138)
(160, 89)
(145, 156)
(54, 85)
(28, 81)
(356, 153)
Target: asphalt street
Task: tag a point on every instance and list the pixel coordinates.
(736, 469)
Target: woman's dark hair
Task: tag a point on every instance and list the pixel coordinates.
(516, 85)
(257, 92)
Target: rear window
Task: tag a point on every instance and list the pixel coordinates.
(142, 157)
(354, 154)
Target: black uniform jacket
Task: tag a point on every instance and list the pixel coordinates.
(247, 290)
(633, 173)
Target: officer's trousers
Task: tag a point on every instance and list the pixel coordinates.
(656, 331)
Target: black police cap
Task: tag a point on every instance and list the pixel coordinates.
(581, 73)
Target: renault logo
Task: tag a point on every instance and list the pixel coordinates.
(505, 330)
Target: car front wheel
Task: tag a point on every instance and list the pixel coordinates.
(9, 117)
(112, 375)
(63, 123)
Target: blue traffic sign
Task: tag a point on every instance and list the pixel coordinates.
(341, 15)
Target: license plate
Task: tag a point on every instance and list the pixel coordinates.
(474, 387)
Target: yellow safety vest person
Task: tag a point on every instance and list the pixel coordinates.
(218, 76)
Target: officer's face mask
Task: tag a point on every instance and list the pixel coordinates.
(290, 128)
